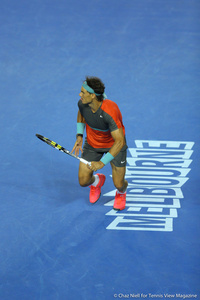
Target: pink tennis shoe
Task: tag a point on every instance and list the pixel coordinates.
(120, 201)
(95, 191)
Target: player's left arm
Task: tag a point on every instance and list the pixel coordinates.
(119, 143)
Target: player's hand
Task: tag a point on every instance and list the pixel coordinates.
(78, 145)
(96, 165)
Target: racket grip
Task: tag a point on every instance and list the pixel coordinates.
(85, 161)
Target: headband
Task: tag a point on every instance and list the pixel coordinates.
(89, 89)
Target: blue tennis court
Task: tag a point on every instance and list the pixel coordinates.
(53, 243)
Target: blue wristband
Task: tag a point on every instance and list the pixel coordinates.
(107, 158)
(80, 128)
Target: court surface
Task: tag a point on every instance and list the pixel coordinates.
(53, 243)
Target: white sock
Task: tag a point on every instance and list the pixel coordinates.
(121, 192)
(96, 181)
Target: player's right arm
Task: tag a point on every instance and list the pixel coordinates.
(79, 137)
(80, 118)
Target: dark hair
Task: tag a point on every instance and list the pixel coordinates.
(97, 85)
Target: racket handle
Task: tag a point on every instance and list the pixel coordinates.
(85, 161)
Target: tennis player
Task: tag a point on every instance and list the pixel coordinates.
(104, 143)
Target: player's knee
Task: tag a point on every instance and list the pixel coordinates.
(83, 181)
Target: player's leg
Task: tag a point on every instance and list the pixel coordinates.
(118, 165)
(86, 178)
(118, 176)
(85, 175)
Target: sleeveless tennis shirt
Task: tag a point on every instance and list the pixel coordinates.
(100, 124)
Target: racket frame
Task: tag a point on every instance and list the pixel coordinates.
(60, 148)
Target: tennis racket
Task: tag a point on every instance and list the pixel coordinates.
(60, 148)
